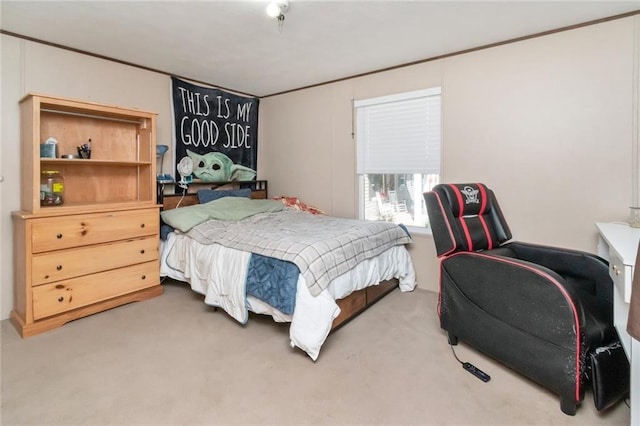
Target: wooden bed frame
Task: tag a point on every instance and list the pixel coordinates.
(350, 306)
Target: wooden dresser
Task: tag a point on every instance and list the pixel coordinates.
(99, 248)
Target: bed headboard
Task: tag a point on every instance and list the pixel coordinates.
(171, 201)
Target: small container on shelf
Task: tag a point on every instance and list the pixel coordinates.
(49, 148)
(51, 188)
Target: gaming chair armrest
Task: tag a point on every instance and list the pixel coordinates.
(524, 295)
(591, 271)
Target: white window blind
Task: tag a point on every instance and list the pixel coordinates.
(399, 133)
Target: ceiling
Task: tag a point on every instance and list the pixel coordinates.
(234, 45)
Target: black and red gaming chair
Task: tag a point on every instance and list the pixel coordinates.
(539, 310)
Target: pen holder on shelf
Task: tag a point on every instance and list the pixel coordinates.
(84, 152)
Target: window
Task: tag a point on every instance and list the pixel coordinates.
(398, 151)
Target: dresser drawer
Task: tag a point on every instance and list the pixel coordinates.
(55, 298)
(55, 233)
(49, 267)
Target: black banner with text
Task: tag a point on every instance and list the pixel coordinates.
(217, 130)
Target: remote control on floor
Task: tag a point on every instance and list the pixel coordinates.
(476, 371)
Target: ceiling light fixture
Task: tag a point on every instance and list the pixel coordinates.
(277, 8)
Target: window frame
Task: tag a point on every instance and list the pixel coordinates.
(433, 91)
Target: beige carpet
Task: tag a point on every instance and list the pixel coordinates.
(173, 360)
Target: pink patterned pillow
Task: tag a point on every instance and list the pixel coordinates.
(295, 203)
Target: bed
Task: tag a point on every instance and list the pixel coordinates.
(246, 253)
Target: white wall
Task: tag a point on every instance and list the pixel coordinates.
(32, 67)
(546, 122)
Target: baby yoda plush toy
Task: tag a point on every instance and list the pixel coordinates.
(217, 167)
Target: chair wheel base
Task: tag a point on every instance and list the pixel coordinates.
(453, 340)
(568, 406)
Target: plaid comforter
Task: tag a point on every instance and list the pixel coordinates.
(322, 247)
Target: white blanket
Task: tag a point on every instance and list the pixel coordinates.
(219, 273)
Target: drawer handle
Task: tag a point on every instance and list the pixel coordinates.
(59, 267)
(59, 236)
(142, 251)
(60, 299)
(144, 277)
(142, 225)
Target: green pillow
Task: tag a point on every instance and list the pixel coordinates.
(238, 208)
(184, 218)
(227, 208)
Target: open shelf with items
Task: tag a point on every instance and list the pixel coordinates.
(122, 141)
(98, 248)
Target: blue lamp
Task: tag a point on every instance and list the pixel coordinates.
(161, 150)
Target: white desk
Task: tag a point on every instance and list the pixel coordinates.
(618, 243)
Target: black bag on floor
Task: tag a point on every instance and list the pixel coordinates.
(609, 368)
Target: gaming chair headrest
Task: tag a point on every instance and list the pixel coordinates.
(465, 217)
